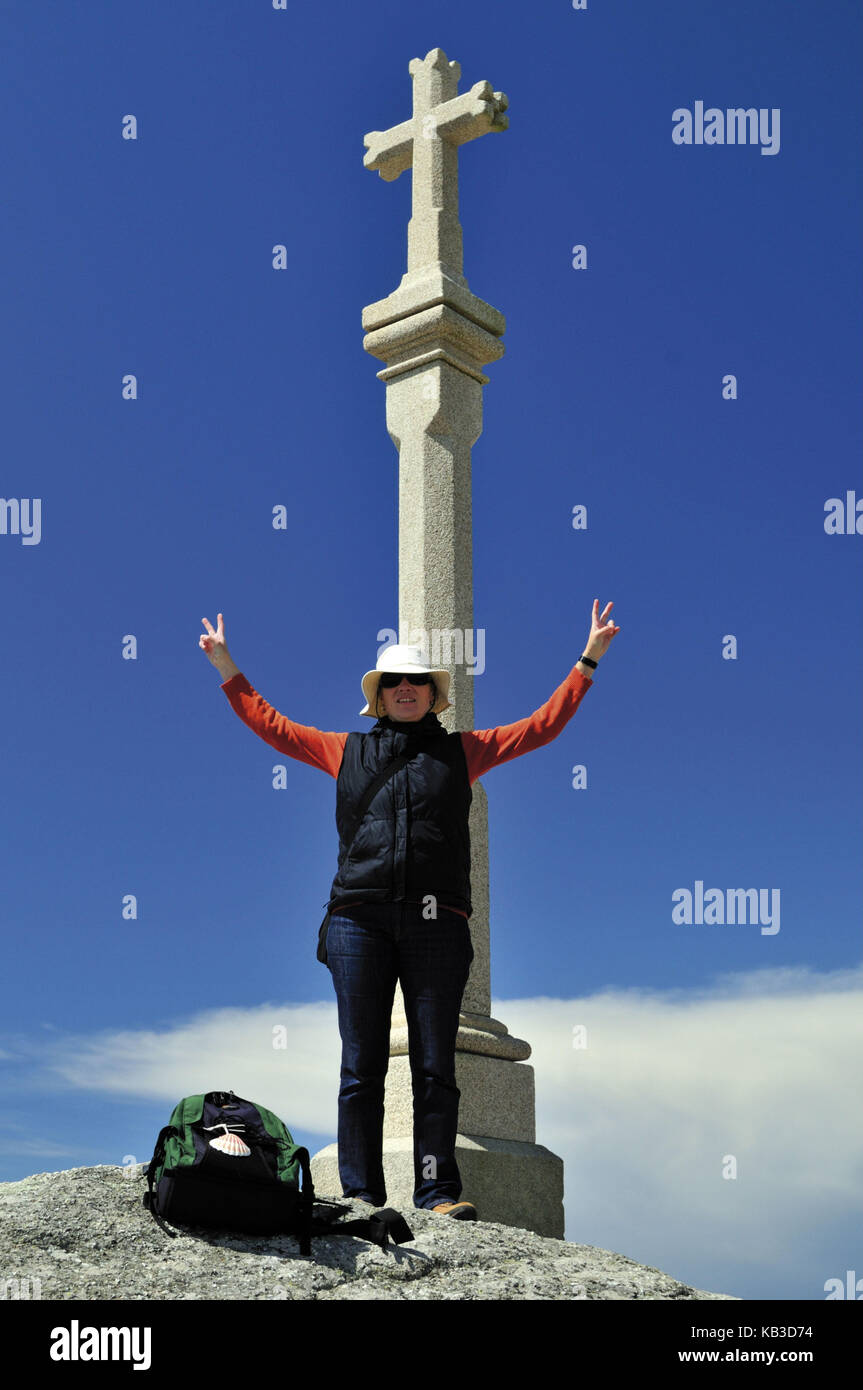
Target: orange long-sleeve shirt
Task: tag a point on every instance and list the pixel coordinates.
(483, 748)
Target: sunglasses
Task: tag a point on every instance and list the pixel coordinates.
(389, 680)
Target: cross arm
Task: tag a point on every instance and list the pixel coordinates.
(473, 113)
(389, 151)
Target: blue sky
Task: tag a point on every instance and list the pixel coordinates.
(705, 518)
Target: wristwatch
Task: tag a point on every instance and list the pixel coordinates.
(586, 661)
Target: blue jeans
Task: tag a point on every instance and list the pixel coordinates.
(369, 947)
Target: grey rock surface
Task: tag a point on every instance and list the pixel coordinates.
(84, 1234)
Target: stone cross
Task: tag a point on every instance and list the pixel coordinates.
(429, 143)
(435, 335)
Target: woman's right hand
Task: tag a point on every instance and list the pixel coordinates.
(213, 644)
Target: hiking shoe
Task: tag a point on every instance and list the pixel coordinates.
(459, 1211)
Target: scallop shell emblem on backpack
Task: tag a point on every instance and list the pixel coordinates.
(230, 1144)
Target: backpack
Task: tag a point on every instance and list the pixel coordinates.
(228, 1163)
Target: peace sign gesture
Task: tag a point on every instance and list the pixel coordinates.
(213, 644)
(601, 632)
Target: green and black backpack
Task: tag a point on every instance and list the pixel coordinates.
(229, 1164)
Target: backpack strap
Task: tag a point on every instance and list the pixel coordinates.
(385, 1225)
(307, 1197)
(150, 1198)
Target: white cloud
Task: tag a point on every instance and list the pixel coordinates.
(216, 1049)
(764, 1067)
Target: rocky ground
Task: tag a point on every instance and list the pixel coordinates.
(84, 1234)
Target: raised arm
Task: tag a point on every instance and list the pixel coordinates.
(317, 747)
(487, 748)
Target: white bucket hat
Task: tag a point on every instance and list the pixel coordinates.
(404, 661)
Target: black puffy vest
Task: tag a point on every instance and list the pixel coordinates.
(414, 839)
